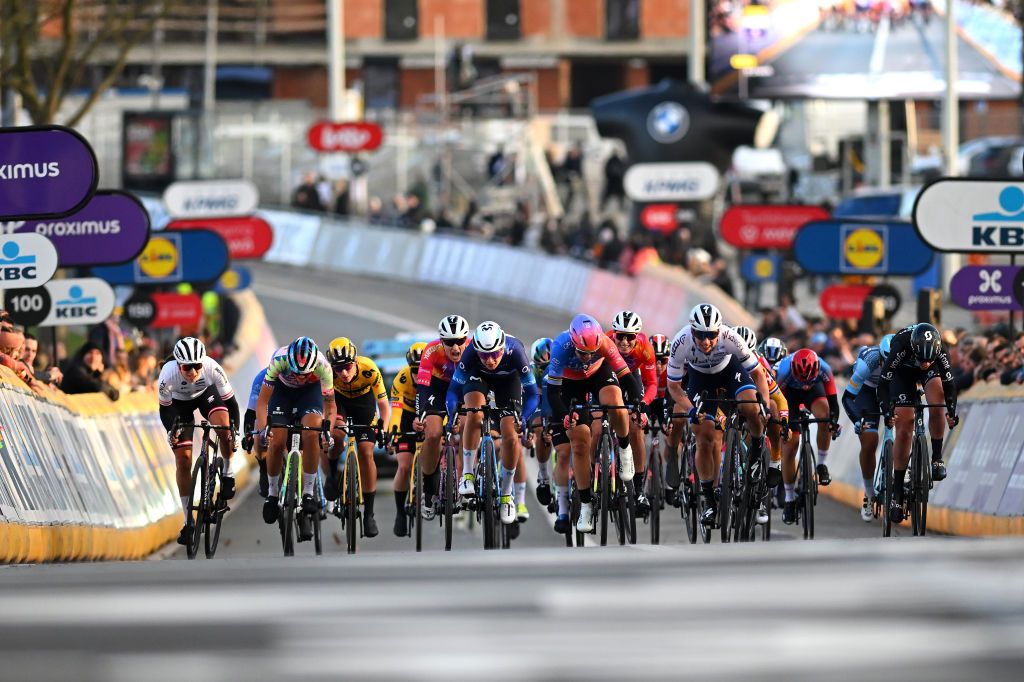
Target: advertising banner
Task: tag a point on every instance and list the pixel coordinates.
(760, 268)
(176, 310)
(172, 257)
(841, 301)
(26, 261)
(247, 236)
(691, 181)
(61, 302)
(235, 278)
(835, 247)
(112, 228)
(986, 287)
(325, 136)
(211, 198)
(45, 172)
(147, 149)
(768, 226)
(139, 309)
(971, 215)
(660, 217)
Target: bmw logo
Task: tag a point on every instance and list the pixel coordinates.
(668, 122)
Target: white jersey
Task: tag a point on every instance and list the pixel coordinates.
(173, 385)
(685, 354)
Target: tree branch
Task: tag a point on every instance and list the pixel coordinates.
(55, 94)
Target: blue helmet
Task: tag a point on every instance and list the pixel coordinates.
(302, 355)
(540, 352)
(885, 345)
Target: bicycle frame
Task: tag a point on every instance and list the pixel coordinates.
(617, 500)
(206, 473)
(489, 471)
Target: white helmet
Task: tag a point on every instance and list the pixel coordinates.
(749, 337)
(705, 318)
(628, 322)
(488, 337)
(453, 327)
(189, 350)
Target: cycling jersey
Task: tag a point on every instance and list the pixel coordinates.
(367, 379)
(254, 391)
(641, 362)
(470, 374)
(279, 374)
(867, 370)
(775, 393)
(788, 382)
(172, 384)
(403, 396)
(434, 362)
(901, 369)
(685, 354)
(565, 364)
(663, 382)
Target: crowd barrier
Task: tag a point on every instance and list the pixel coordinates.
(983, 493)
(86, 478)
(661, 295)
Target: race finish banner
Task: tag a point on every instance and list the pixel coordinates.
(45, 172)
(61, 302)
(172, 257)
(248, 237)
(112, 228)
(837, 247)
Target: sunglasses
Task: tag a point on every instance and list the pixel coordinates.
(193, 367)
(705, 336)
(628, 338)
(493, 355)
(584, 353)
(343, 365)
(454, 342)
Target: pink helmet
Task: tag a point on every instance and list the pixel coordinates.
(586, 333)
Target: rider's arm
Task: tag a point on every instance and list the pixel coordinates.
(453, 398)
(850, 405)
(554, 378)
(829, 380)
(232, 405)
(262, 403)
(167, 416)
(531, 398)
(899, 349)
(675, 389)
(531, 392)
(649, 375)
(948, 384)
(758, 376)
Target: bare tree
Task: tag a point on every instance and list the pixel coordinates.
(48, 46)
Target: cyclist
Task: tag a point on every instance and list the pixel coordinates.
(585, 362)
(248, 426)
(540, 356)
(806, 380)
(713, 358)
(778, 429)
(403, 412)
(636, 350)
(659, 412)
(916, 357)
(298, 384)
(359, 395)
(860, 400)
(773, 350)
(437, 365)
(192, 381)
(494, 361)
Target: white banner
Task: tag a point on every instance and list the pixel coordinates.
(211, 198)
(691, 181)
(87, 300)
(971, 216)
(26, 261)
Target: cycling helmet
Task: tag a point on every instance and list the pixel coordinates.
(660, 344)
(773, 349)
(585, 333)
(189, 350)
(415, 352)
(705, 318)
(488, 337)
(806, 365)
(925, 342)
(302, 355)
(749, 337)
(540, 352)
(342, 350)
(627, 322)
(453, 327)
(885, 345)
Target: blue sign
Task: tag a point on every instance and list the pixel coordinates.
(173, 257)
(761, 268)
(836, 247)
(235, 278)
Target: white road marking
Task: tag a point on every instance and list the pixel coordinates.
(293, 296)
(878, 51)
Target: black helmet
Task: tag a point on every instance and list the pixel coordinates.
(925, 342)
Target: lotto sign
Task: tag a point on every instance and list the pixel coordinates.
(844, 302)
(768, 226)
(971, 216)
(325, 136)
(986, 287)
(45, 172)
(26, 261)
(760, 268)
(176, 310)
(247, 237)
(836, 247)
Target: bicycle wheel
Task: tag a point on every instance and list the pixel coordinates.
(605, 483)
(807, 495)
(488, 481)
(689, 497)
(629, 495)
(887, 492)
(417, 501)
(728, 476)
(656, 495)
(574, 515)
(765, 493)
(919, 483)
(290, 502)
(449, 496)
(215, 511)
(196, 508)
(318, 495)
(351, 500)
(748, 500)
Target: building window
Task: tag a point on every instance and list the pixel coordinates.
(503, 20)
(380, 83)
(622, 19)
(401, 20)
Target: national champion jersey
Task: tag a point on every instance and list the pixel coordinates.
(788, 382)
(254, 390)
(434, 362)
(565, 364)
(172, 384)
(277, 371)
(367, 379)
(641, 362)
(685, 355)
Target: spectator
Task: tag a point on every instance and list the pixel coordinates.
(323, 192)
(375, 215)
(11, 341)
(341, 198)
(144, 373)
(966, 373)
(83, 373)
(109, 338)
(29, 354)
(614, 176)
(609, 247)
(720, 276)
(496, 165)
(306, 195)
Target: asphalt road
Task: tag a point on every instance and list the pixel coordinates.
(905, 61)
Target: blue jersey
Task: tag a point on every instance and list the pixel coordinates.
(867, 370)
(254, 392)
(787, 382)
(515, 361)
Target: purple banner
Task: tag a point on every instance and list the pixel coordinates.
(45, 172)
(113, 228)
(985, 287)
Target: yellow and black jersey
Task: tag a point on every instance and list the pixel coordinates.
(366, 380)
(403, 396)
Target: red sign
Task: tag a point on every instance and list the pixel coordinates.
(767, 226)
(345, 137)
(844, 301)
(176, 310)
(246, 237)
(660, 217)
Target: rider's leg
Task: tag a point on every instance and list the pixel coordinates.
(935, 395)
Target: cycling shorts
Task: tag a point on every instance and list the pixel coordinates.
(587, 389)
(406, 443)
(905, 380)
(508, 392)
(864, 404)
(208, 402)
(362, 410)
(729, 382)
(289, 404)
